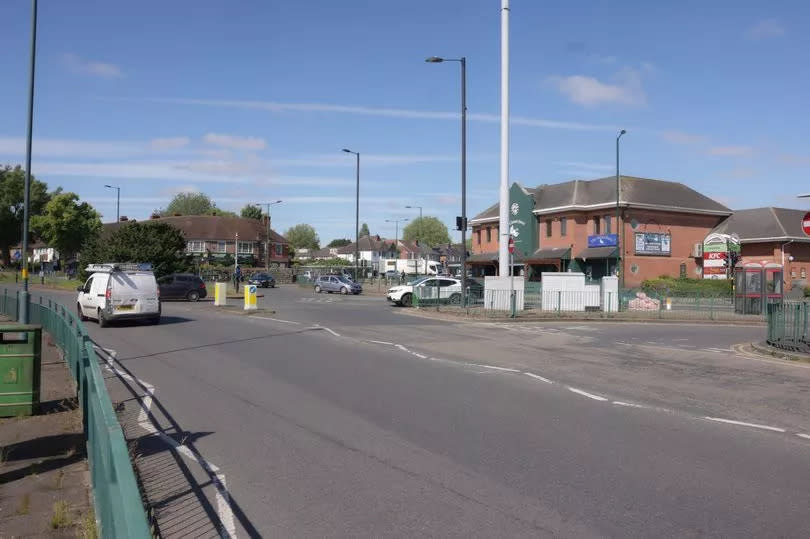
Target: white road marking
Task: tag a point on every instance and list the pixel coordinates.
(538, 377)
(278, 320)
(722, 350)
(744, 424)
(382, 342)
(336, 334)
(628, 404)
(498, 368)
(805, 436)
(420, 356)
(586, 394)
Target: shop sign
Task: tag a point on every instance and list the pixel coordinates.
(603, 240)
(652, 243)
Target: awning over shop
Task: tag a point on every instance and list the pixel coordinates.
(597, 252)
(554, 253)
(483, 258)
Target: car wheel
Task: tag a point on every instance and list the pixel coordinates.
(455, 299)
(317, 289)
(344, 290)
(102, 319)
(406, 300)
(193, 296)
(80, 313)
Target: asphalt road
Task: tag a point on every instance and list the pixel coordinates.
(349, 418)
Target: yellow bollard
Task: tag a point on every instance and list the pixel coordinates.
(220, 294)
(250, 297)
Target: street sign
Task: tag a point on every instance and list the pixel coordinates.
(806, 224)
(511, 245)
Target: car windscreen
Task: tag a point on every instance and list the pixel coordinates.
(345, 280)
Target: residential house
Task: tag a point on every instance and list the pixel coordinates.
(371, 250)
(573, 226)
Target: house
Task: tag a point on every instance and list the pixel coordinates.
(772, 235)
(573, 226)
(450, 257)
(316, 254)
(211, 238)
(371, 250)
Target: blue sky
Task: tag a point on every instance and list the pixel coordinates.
(252, 101)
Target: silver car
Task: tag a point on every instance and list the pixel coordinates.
(336, 283)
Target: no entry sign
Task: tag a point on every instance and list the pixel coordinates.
(806, 224)
(512, 244)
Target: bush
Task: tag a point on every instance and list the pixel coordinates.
(670, 286)
(807, 291)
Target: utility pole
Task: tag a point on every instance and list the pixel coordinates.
(421, 235)
(356, 216)
(619, 257)
(117, 201)
(267, 241)
(503, 252)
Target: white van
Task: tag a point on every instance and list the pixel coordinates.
(119, 292)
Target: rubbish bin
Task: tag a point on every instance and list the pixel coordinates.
(20, 369)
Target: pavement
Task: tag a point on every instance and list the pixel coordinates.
(341, 416)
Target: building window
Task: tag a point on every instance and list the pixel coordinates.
(478, 236)
(563, 226)
(221, 247)
(607, 224)
(489, 234)
(279, 249)
(804, 273)
(792, 273)
(596, 228)
(548, 228)
(195, 246)
(245, 247)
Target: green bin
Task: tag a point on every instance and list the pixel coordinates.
(20, 369)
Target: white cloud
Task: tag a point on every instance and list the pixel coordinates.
(590, 91)
(679, 137)
(766, 28)
(68, 147)
(235, 142)
(272, 106)
(730, 151)
(169, 143)
(79, 65)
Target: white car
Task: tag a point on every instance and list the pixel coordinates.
(119, 292)
(428, 290)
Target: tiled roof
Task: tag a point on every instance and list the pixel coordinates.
(213, 228)
(763, 224)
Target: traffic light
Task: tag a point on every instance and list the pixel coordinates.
(461, 223)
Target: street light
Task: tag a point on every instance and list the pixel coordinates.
(421, 232)
(117, 201)
(267, 241)
(356, 216)
(619, 258)
(463, 62)
(396, 229)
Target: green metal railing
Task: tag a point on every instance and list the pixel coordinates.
(118, 504)
(788, 325)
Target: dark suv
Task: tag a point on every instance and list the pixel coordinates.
(182, 286)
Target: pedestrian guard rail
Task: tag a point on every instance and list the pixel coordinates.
(788, 325)
(117, 499)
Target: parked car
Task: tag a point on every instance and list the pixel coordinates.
(392, 274)
(118, 292)
(336, 283)
(262, 280)
(182, 286)
(431, 290)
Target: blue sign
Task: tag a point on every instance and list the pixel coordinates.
(17, 255)
(603, 240)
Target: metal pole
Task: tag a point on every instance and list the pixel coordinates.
(619, 258)
(117, 204)
(503, 253)
(267, 242)
(357, 223)
(463, 181)
(23, 301)
(421, 236)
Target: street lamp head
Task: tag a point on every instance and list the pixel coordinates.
(622, 132)
(347, 150)
(110, 186)
(434, 60)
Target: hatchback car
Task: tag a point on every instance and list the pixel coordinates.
(262, 280)
(337, 283)
(182, 286)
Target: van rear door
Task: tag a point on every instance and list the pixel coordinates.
(134, 293)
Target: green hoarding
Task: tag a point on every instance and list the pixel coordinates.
(522, 223)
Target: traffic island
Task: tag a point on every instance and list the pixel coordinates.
(240, 310)
(766, 349)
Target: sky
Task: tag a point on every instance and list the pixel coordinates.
(252, 101)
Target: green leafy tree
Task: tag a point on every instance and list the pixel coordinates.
(158, 243)
(189, 204)
(364, 230)
(303, 236)
(12, 185)
(429, 231)
(65, 224)
(251, 211)
(341, 242)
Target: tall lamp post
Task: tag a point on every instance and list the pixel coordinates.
(267, 241)
(356, 216)
(462, 225)
(117, 201)
(396, 229)
(22, 312)
(619, 258)
(421, 231)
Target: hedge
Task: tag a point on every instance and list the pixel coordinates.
(669, 286)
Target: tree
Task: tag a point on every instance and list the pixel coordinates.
(189, 204)
(364, 230)
(158, 243)
(339, 242)
(251, 211)
(12, 185)
(430, 231)
(65, 224)
(303, 237)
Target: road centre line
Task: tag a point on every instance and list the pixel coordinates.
(585, 394)
(496, 368)
(278, 320)
(744, 424)
(382, 342)
(805, 436)
(629, 404)
(538, 377)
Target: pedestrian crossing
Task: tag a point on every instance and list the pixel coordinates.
(316, 300)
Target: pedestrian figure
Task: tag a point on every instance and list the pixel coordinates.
(237, 278)
(402, 277)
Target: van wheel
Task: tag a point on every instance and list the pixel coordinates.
(406, 300)
(102, 319)
(317, 289)
(80, 313)
(193, 296)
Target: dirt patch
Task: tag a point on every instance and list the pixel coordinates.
(44, 477)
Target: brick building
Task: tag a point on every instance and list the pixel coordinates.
(572, 225)
(772, 235)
